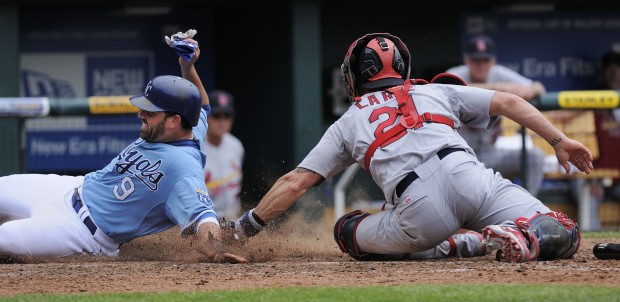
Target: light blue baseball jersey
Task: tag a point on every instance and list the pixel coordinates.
(151, 187)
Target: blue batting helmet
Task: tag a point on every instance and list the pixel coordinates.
(171, 93)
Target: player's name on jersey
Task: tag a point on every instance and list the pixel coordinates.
(371, 99)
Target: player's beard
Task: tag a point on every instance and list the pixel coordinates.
(151, 134)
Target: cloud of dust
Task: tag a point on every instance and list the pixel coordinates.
(293, 238)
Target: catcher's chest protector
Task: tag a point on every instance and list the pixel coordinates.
(556, 235)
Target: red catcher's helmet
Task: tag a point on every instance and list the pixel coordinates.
(374, 61)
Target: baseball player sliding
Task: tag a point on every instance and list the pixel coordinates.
(405, 135)
(155, 183)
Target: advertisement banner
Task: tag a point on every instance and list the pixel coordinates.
(560, 49)
(97, 56)
(76, 144)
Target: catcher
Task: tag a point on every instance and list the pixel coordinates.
(404, 133)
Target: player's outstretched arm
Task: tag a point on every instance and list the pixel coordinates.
(522, 112)
(285, 192)
(280, 197)
(188, 70)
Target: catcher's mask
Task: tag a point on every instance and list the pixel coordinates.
(373, 61)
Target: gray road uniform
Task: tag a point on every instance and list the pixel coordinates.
(505, 161)
(450, 193)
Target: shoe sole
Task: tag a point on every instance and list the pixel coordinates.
(507, 243)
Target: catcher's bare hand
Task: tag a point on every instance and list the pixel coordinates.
(568, 150)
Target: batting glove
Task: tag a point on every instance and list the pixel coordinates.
(180, 37)
(183, 48)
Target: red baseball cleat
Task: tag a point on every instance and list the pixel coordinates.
(510, 242)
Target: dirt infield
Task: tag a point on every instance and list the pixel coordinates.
(282, 258)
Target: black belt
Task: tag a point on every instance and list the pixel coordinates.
(411, 177)
(77, 205)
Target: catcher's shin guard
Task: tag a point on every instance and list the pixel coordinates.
(554, 234)
(344, 234)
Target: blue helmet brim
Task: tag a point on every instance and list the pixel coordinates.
(143, 103)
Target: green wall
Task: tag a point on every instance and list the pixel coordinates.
(9, 87)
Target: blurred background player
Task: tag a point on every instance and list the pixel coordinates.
(223, 173)
(481, 70)
(608, 121)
